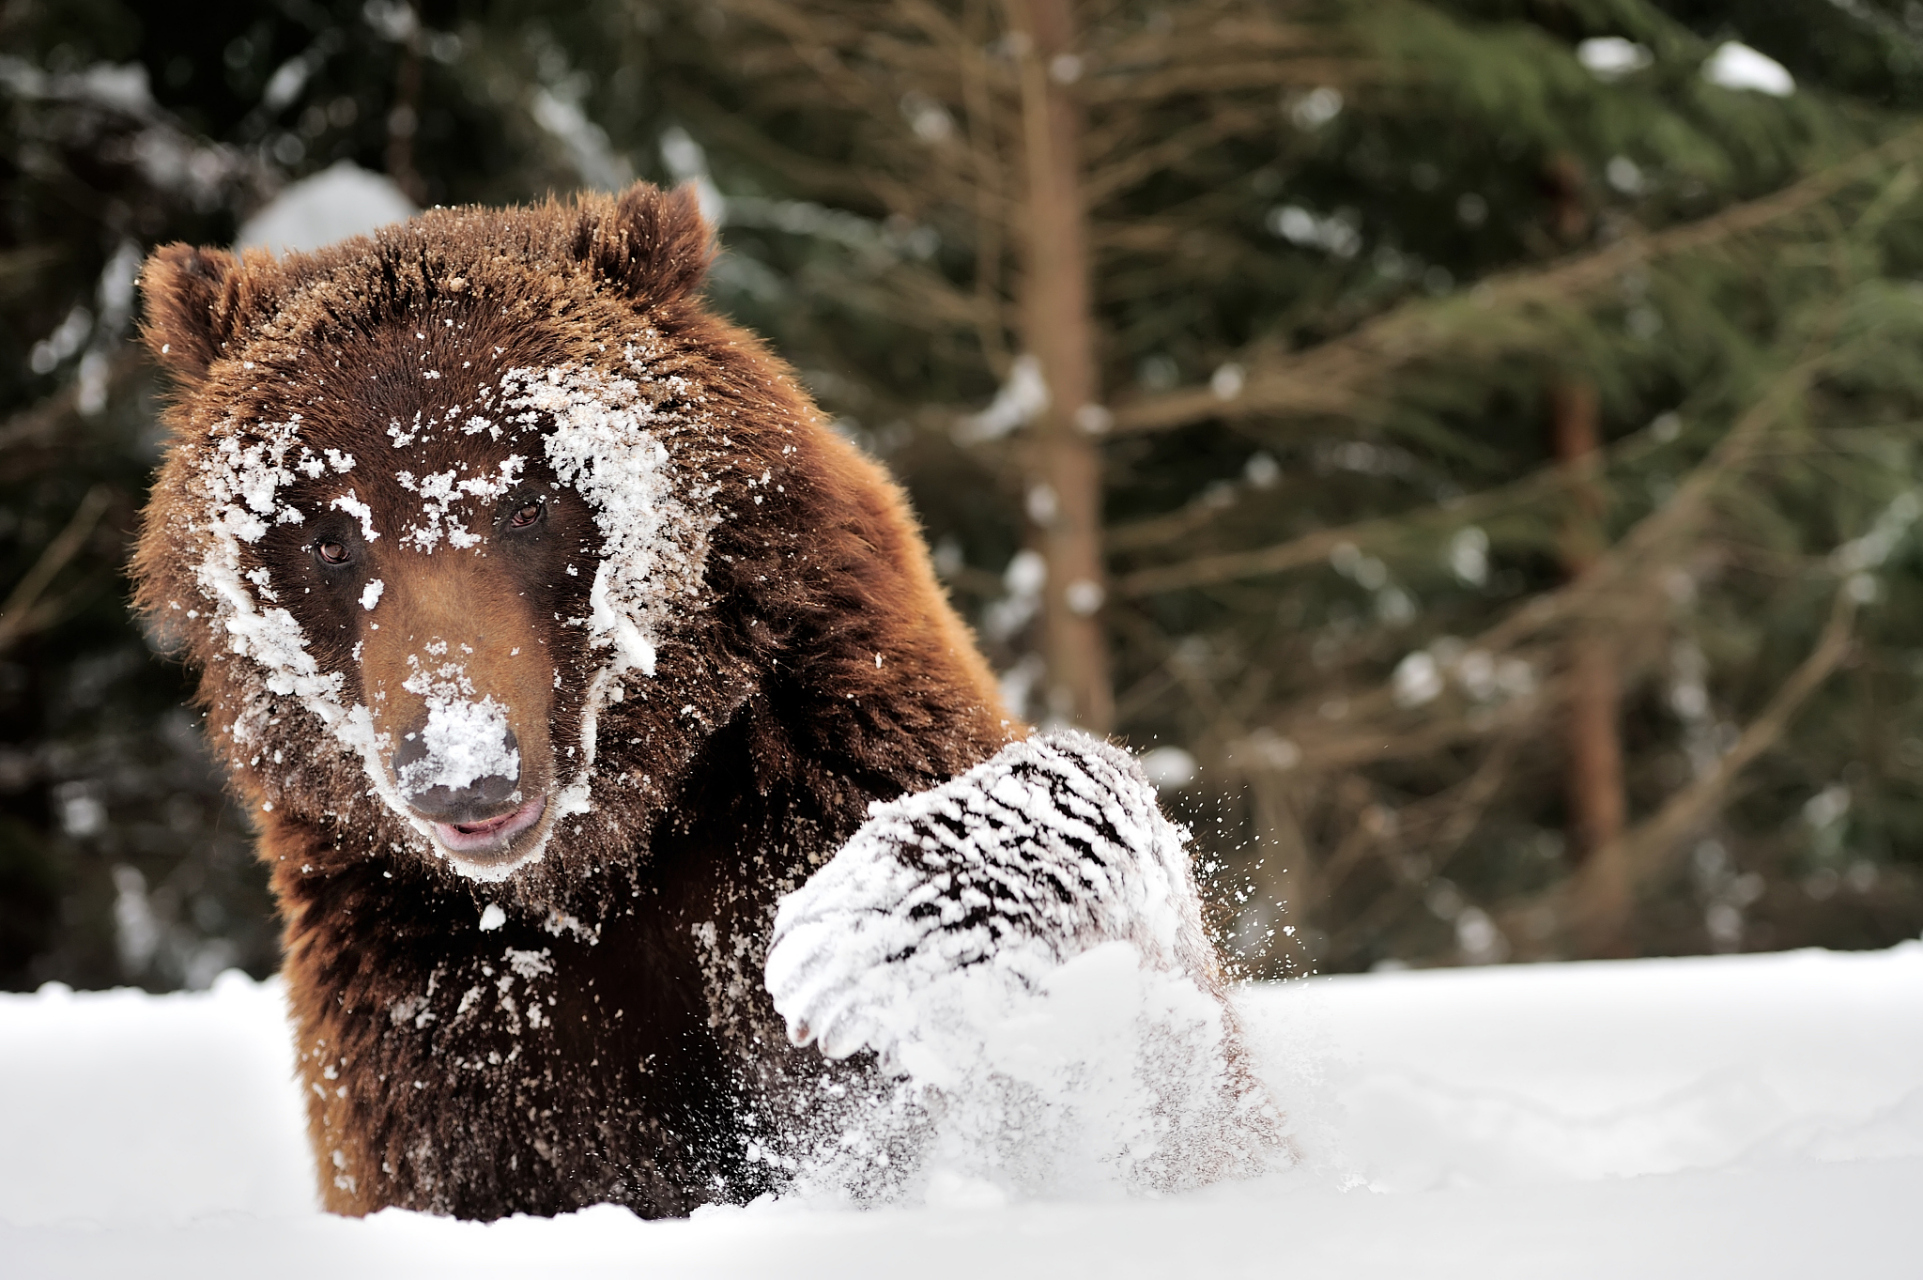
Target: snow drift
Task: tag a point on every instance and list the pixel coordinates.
(1752, 1116)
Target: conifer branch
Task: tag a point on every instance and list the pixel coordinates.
(1343, 376)
(1313, 548)
(23, 612)
(1595, 903)
(1106, 181)
(1605, 597)
(1205, 77)
(36, 424)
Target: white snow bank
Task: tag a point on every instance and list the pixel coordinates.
(1549, 1073)
(1744, 1116)
(340, 201)
(118, 1106)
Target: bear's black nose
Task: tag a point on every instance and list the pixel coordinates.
(460, 782)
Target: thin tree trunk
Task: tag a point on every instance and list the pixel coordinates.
(1291, 872)
(1592, 708)
(1643, 852)
(1065, 464)
(404, 119)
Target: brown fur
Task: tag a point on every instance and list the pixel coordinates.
(615, 1058)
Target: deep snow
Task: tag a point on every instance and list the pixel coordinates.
(1752, 1116)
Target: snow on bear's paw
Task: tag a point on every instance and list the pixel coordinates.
(553, 639)
(1049, 848)
(1024, 943)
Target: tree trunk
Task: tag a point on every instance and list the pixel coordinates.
(1064, 464)
(404, 119)
(1290, 876)
(1591, 709)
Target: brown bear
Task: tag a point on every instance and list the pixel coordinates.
(556, 643)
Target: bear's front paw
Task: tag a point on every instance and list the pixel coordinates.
(949, 900)
(848, 949)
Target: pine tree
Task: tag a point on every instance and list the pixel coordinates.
(1502, 406)
(1479, 433)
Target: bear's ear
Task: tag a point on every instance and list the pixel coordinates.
(654, 245)
(188, 294)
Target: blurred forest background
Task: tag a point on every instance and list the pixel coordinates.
(1471, 446)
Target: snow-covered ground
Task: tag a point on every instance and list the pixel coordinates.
(1743, 1116)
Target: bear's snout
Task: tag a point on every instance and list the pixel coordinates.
(461, 780)
(459, 769)
(458, 678)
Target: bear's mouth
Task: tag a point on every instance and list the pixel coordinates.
(490, 842)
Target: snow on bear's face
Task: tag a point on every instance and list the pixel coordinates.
(457, 592)
(434, 523)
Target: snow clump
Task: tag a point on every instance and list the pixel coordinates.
(1022, 947)
(654, 540)
(1612, 57)
(465, 741)
(1737, 66)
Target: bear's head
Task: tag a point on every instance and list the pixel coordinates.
(481, 526)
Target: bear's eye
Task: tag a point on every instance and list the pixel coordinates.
(329, 551)
(526, 514)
